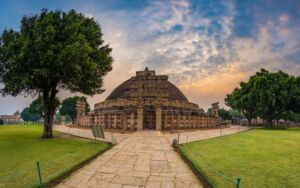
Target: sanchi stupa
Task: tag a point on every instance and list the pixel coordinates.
(148, 101)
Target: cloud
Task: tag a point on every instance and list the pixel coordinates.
(206, 47)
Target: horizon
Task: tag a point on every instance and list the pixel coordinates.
(207, 48)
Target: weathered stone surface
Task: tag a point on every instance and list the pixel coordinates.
(142, 160)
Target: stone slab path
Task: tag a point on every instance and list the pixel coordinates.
(144, 159)
(140, 159)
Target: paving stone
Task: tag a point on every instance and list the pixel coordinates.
(138, 161)
(129, 181)
(153, 184)
(114, 185)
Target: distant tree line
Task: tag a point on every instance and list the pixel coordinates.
(268, 95)
(67, 108)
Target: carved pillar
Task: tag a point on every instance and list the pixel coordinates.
(140, 118)
(185, 120)
(158, 118)
(115, 121)
(172, 120)
(178, 120)
(109, 120)
(132, 121)
(124, 121)
(189, 120)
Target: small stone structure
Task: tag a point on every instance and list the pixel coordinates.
(11, 119)
(148, 101)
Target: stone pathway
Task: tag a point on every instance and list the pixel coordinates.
(145, 159)
(140, 159)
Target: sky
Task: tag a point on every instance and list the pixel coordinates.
(207, 47)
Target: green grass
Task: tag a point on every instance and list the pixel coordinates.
(21, 146)
(260, 157)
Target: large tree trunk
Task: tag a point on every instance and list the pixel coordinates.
(48, 124)
(49, 106)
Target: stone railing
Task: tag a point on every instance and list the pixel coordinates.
(146, 102)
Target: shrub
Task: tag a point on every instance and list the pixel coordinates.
(1, 122)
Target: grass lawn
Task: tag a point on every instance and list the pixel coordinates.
(21, 146)
(260, 157)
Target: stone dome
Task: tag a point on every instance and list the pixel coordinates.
(146, 84)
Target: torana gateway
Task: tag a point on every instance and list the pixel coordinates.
(148, 101)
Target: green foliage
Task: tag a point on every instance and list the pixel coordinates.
(267, 95)
(224, 114)
(37, 107)
(28, 115)
(53, 50)
(275, 92)
(244, 100)
(68, 106)
(235, 114)
(290, 115)
(1, 122)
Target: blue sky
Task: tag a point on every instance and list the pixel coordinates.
(205, 46)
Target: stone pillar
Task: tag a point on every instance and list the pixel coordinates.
(115, 121)
(132, 121)
(172, 120)
(185, 120)
(109, 120)
(178, 120)
(124, 121)
(140, 118)
(158, 118)
(189, 120)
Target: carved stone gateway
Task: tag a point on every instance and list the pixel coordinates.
(147, 101)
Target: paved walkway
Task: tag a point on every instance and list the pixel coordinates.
(140, 159)
(145, 159)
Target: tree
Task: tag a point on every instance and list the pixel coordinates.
(1, 122)
(235, 114)
(224, 114)
(275, 92)
(37, 107)
(267, 95)
(244, 100)
(290, 115)
(53, 50)
(28, 115)
(68, 107)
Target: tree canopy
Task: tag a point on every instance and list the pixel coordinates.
(267, 94)
(224, 114)
(68, 107)
(54, 51)
(28, 115)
